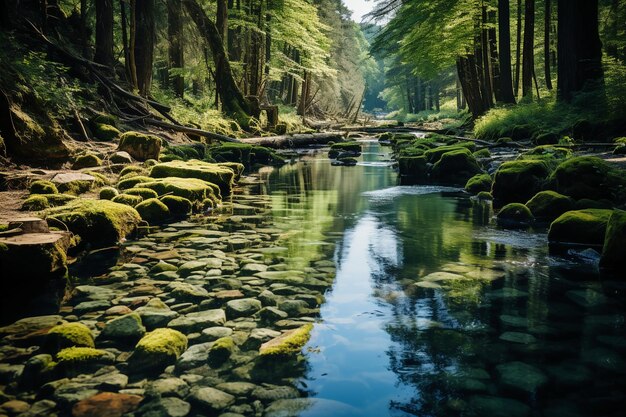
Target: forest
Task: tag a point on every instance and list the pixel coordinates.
(266, 208)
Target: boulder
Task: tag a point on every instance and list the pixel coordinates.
(34, 257)
(106, 404)
(77, 360)
(220, 351)
(75, 182)
(434, 155)
(157, 350)
(140, 146)
(108, 193)
(121, 157)
(178, 206)
(614, 252)
(242, 307)
(289, 343)
(586, 227)
(519, 181)
(105, 132)
(245, 154)
(455, 167)
(195, 322)
(87, 161)
(156, 314)
(413, 167)
(42, 187)
(153, 211)
(515, 213)
(145, 193)
(192, 189)
(68, 335)
(222, 176)
(589, 177)
(478, 183)
(127, 199)
(548, 205)
(210, 400)
(127, 328)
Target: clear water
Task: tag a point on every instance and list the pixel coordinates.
(515, 332)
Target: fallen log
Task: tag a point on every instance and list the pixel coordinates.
(190, 130)
(296, 140)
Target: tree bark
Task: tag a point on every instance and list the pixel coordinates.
(233, 101)
(132, 62)
(579, 51)
(546, 42)
(504, 35)
(487, 69)
(518, 50)
(144, 44)
(175, 49)
(104, 33)
(528, 60)
(469, 79)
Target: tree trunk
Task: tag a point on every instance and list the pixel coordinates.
(528, 61)
(495, 61)
(468, 77)
(84, 30)
(132, 62)
(144, 44)
(504, 34)
(546, 42)
(125, 47)
(487, 70)
(518, 50)
(104, 33)
(579, 51)
(175, 49)
(233, 102)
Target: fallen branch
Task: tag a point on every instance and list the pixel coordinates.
(296, 140)
(190, 130)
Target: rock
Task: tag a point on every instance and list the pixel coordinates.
(243, 307)
(294, 307)
(108, 193)
(222, 176)
(184, 292)
(221, 350)
(89, 306)
(289, 343)
(267, 298)
(194, 190)
(548, 205)
(10, 373)
(455, 167)
(521, 376)
(415, 168)
(99, 222)
(30, 325)
(238, 389)
(43, 187)
(127, 328)
(515, 214)
(497, 407)
(156, 314)
(121, 157)
(478, 183)
(194, 356)
(178, 206)
(580, 226)
(106, 404)
(213, 333)
(273, 392)
(258, 337)
(15, 407)
(588, 177)
(195, 322)
(157, 350)
(35, 257)
(40, 408)
(272, 314)
(87, 161)
(211, 399)
(127, 199)
(295, 407)
(614, 251)
(153, 211)
(518, 337)
(140, 146)
(105, 132)
(74, 182)
(37, 370)
(165, 407)
(188, 268)
(518, 181)
(68, 335)
(170, 387)
(145, 193)
(77, 360)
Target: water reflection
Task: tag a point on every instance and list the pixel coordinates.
(436, 311)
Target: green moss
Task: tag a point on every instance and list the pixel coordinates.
(549, 205)
(56, 200)
(220, 350)
(478, 183)
(105, 132)
(77, 355)
(456, 167)
(70, 334)
(516, 213)
(549, 138)
(153, 211)
(580, 226)
(87, 161)
(221, 176)
(413, 166)
(178, 206)
(97, 221)
(614, 251)
(289, 343)
(619, 150)
(127, 199)
(589, 177)
(144, 193)
(77, 187)
(482, 153)
(127, 183)
(191, 189)
(547, 153)
(150, 163)
(621, 141)
(140, 146)
(518, 181)
(245, 154)
(103, 118)
(208, 204)
(504, 140)
(485, 195)
(133, 169)
(236, 167)
(184, 152)
(346, 146)
(35, 203)
(43, 187)
(101, 179)
(157, 350)
(108, 193)
(434, 155)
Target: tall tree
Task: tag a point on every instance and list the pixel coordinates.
(546, 46)
(518, 49)
(528, 60)
(104, 32)
(504, 36)
(579, 51)
(175, 47)
(144, 44)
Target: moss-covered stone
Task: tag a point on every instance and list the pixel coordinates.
(192, 189)
(140, 146)
(144, 193)
(153, 211)
(236, 167)
(455, 167)
(35, 203)
(87, 161)
(127, 199)
(482, 153)
(35, 259)
(108, 193)
(550, 154)
(56, 200)
(77, 355)
(434, 155)
(221, 350)
(132, 181)
(549, 138)
(157, 350)
(485, 195)
(246, 154)
(478, 183)
(105, 132)
(43, 187)
(580, 226)
(515, 213)
(178, 206)
(221, 176)
(415, 167)
(100, 222)
(614, 251)
(589, 177)
(103, 118)
(548, 205)
(69, 335)
(133, 169)
(519, 181)
(289, 343)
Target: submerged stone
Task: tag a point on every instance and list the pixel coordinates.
(521, 376)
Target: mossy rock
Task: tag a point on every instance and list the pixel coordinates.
(221, 350)
(74, 361)
(589, 177)
(108, 193)
(347, 161)
(522, 132)
(56, 200)
(289, 343)
(346, 146)
(127, 199)
(132, 181)
(103, 118)
(145, 193)
(478, 183)
(519, 181)
(485, 195)
(515, 213)
(504, 140)
(42, 187)
(415, 167)
(236, 167)
(69, 335)
(140, 146)
(245, 154)
(221, 176)
(192, 189)
(87, 161)
(178, 206)
(614, 251)
(153, 211)
(105, 132)
(35, 203)
(548, 205)
(149, 163)
(157, 350)
(184, 152)
(455, 167)
(548, 138)
(133, 169)
(586, 227)
(434, 155)
(99, 222)
(482, 153)
(550, 154)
